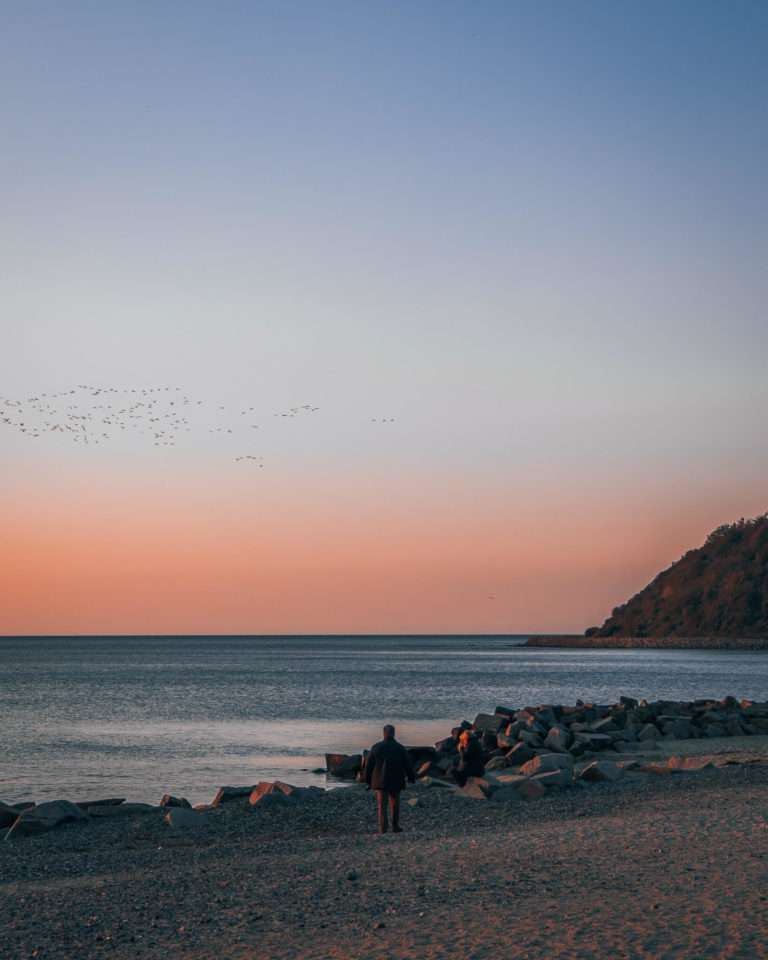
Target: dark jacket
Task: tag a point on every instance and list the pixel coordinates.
(387, 766)
(471, 758)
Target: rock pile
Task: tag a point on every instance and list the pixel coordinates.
(526, 752)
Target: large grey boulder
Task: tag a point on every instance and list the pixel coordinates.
(104, 802)
(27, 824)
(123, 810)
(53, 812)
(228, 794)
(9, 814)
(601, 770)
(558, 739)
(487, 722)
(182, 818)
(648, 731)
(546, 763)
(553, 778)
(519, 754)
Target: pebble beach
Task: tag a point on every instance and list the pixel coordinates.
(671, 863)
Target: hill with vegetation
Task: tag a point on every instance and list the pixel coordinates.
(717, 590)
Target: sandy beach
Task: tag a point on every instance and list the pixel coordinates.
(651, 866)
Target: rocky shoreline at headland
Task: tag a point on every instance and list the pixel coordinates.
(650, 643)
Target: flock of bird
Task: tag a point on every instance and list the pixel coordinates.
(96, 415)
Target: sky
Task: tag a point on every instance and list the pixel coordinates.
(343, 317)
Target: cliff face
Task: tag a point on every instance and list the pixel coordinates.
(717, 590)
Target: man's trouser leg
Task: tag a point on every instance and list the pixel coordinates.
(383, 799)
(394, 803)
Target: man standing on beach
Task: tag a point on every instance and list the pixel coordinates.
(386, 767)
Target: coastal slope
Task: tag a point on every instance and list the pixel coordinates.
(719, 590)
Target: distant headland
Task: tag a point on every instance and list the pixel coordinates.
(715, 597)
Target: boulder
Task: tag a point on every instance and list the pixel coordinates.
(8, 815)
(487, 784)
(429, 769)
(344, 766)
(547, 762)
(648, 731)
(54, 812)
(228, 794)
(519, 754)
(687, 763)
(274, 798)
(448, 745)
(553, 778)
(506, 713)
(715, 730)
(105, 802)
(170, 801)
(472, 791)
(183, 818)
(27, 824)
(600, 770)
(496, 763)
(558, 738)
(487, 722)
(531, 738)
(594, 741)
(123, 810)
(606, 725)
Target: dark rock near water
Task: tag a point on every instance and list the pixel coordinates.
(344, 766)
(228, 794)
(170, 801)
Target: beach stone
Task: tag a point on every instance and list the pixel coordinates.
(530, 790)
(105, 802)
(123, 810)
(496, 763)
(531, 738)
(8, 815)
(275, 798)
(228, 794)
(54, 812)
(648, 731)
(170, 801)
(519, 754)
(182, 818)
(553, 778)
(506, 713)
(558, 738)
(486, 723)
(27, 824)
(594, 741)
(547, 762)
(415, 802)
(343, 765)
(678, 730)
(600, 770)
(687, 763)
(505, 795)
(605, 725)
(298, 793)
(472, 791)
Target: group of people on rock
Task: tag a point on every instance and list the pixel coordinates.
(388, 766)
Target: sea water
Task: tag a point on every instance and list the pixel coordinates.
(88, 717)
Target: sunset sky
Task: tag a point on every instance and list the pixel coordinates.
(513, 253)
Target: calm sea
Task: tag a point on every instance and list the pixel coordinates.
(142, 716)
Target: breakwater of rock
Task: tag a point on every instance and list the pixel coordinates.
(657, 643)
(527, 752)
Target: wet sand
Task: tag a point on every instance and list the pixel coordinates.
(652, 866)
